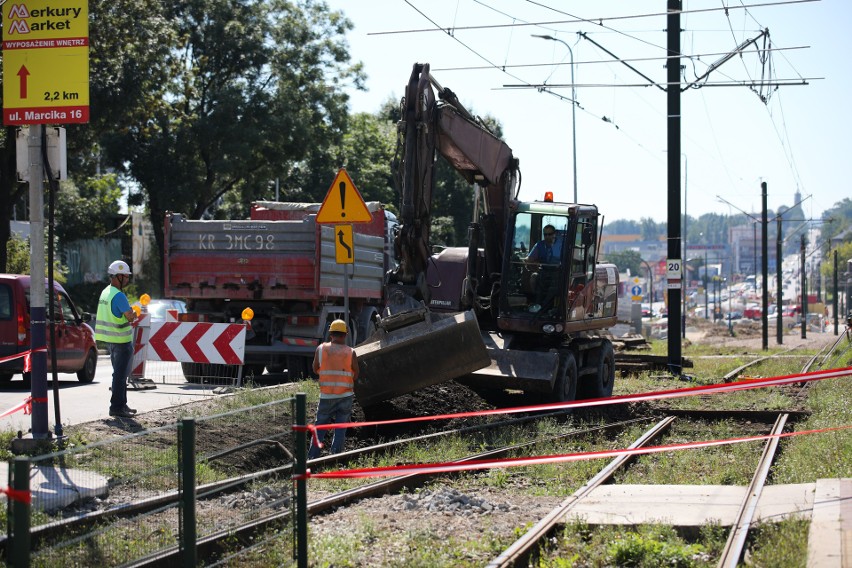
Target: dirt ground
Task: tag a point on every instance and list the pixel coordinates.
(749, 336)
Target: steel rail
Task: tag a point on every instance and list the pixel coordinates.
(518, 553)
(42, 532)
(211, 544)
(733, 551)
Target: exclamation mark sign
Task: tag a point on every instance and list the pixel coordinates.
(343, 199)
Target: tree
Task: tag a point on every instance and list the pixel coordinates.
(252, 89)
(126, 70)
(625, 260)
(86, 211)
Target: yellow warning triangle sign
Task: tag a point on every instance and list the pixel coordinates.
(343, 203)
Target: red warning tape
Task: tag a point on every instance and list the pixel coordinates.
(558, 458)
(621, 399)
(25, 355)
(19, 495)
(26, 406)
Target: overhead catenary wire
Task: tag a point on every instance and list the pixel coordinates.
(694, 56)
(596, 21)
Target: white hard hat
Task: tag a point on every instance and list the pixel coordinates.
(118, 267)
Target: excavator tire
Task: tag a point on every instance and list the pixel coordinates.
(565, 386)
(600, 384)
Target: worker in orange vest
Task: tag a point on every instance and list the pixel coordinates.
(336, 365)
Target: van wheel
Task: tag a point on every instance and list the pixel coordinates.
(87, 374)
(600, 384)
(565, 386)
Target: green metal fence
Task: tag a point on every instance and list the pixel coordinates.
(156, 497)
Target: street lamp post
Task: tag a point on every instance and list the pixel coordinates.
(573, 107)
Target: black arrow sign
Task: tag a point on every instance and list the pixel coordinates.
(343, 244)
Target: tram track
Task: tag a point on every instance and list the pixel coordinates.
(214, 545)
(522, 550)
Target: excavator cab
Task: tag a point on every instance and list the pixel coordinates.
(550, 283)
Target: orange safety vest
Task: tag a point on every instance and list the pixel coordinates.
(336, 379)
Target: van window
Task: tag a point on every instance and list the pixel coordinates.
(5, 302)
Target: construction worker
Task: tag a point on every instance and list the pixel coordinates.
(336, 365)
(113, 329)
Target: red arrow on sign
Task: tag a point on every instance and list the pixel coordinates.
(190, 342)
(158, 341)
(223, 344)
(23, 73)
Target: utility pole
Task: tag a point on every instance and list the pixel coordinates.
(834, 295)
(804, 302)
(779, 286)
(764, 235)
(673, 8)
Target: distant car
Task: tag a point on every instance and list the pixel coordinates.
(76, 350)
(157, 309)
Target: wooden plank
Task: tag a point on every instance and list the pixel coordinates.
(688, 505)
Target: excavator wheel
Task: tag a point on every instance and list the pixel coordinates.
(565, 386)
(599, 385)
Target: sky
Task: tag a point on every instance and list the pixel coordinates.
(798, 141)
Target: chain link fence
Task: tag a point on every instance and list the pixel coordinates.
(154, 497)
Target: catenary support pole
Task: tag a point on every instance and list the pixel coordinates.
(834, 295)
(804, 303)
(764, 265)
(675, 361)
(779, 283)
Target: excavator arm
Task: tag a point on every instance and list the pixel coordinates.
(429, 126)
(414, 347)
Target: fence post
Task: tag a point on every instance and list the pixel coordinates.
(20, 509)
(186, 477)
(300, 468)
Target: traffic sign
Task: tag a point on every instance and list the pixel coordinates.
(45, 62)
(344, 244)
(343, 203)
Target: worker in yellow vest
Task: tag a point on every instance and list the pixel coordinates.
(336, 365)
(113, 329)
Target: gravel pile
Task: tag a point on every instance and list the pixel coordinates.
(265, 497)
(448, 500)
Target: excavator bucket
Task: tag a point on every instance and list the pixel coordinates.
(531, 371)
(416, 349)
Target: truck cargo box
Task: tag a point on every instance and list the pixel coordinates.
(267, 260)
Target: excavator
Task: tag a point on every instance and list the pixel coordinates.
(498, 313)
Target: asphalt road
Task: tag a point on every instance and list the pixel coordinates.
(84, 403)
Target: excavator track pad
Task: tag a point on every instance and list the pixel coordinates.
(417, 349)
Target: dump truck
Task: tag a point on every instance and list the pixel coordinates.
(490, 313)
(281, 264)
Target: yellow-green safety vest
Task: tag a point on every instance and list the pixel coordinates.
(108, 327)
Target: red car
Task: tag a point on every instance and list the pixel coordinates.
(76, 350)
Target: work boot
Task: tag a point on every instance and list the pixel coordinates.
(122, 412)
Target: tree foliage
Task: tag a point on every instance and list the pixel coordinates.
(249, 91)
(85, 210)
(625, 260)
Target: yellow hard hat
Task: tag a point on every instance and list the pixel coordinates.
(338, 326)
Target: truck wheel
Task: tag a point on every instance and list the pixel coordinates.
(253, 370)
(191, 372)
(298, 367)
(600, 384)
(565, 386)
(87, 374)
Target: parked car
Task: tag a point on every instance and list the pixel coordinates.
(157, 309)
(76, 350)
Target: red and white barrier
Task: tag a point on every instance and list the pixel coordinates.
(197, 342)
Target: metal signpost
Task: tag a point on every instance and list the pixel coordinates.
(45, 80)
(343, 206)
